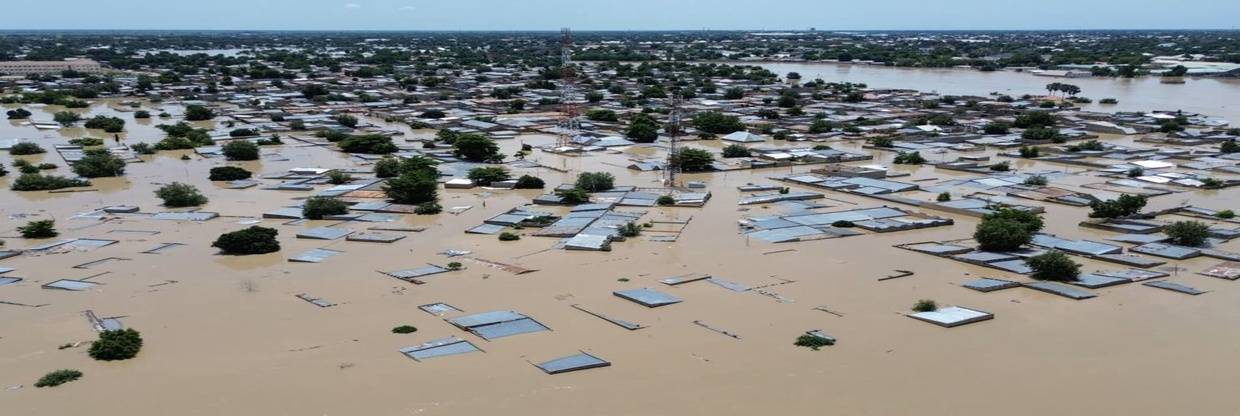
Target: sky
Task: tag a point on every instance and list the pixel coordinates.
(619, 14)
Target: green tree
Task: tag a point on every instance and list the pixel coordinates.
(1188, 233)
(18, 114)
(318, 207)
(1125, 205)
(66, 118)
(996, 127)
(116, 345)
(573, 196)
(595, 181)
(37, 182)
(477, 148)
(373, 144)
(820, 126)
(105, 123)
(692, 160)
(176, 195)
(1230, 146)
(388, 167)
(412, 188)
(643, 129)
(26, 148)
(39, 229)
(602, 115)
(57, 378)
(717, 123)
(909, 158)
(198, 113)
(1053, 265)
(253, 240)
(735, 150)
(346, 120)
(487, 175)
(228, 173)
(240, 150)
(530, 182)
(1032, 222)
(98, 163)
(1030, 119)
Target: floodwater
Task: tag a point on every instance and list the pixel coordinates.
(1207, 95)
(226, 335)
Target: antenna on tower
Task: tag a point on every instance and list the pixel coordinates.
(570, 125)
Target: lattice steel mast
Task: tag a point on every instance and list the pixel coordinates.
(571, 124)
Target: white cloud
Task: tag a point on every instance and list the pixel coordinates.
(407, 8)
(352, 6)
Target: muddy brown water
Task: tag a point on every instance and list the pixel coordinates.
(1210, 95)
(225, 335)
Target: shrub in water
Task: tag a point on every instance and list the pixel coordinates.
(388, 167)
(229, 173)
(57, 378)
(509, 236)
(240, 150)
(404, 329)
(843, 224)
(412, 188)
(253, 240)
(37, 182)
(910, 158)
(573, 196)
(39, 229)
(375, 144)
(116, 345)
(595, 181)
(1125, 205)
(99, 163)
(630, 230)
(336, 177)
(177, 195)
(26, 148)
(530, 182)
(925, 305)
(1053, 265)
(428, 208)
(813, 342)
(317, 207)
(735, 150)
(487, 175)
(1188, 233)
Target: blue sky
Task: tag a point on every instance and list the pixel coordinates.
(620, 14)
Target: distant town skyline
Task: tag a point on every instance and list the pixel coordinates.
(825, 15)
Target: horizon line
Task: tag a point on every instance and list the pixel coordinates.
(803, 30)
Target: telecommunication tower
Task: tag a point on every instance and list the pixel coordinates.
(570, 125)
(672, 167)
